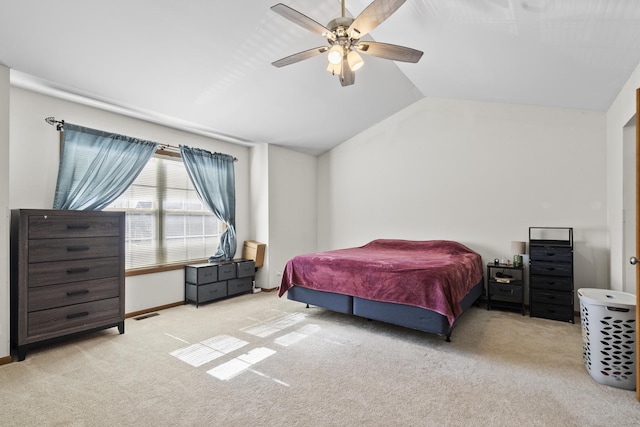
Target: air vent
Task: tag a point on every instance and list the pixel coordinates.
(146, 316)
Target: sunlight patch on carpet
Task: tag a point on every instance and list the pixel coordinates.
(177, 338)
(275, 325)
(232, 368)
(262, 374)
(208, 350)
(213, 348)
(196, 354)
(224, 343)
(298, 335)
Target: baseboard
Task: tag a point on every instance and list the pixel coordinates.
(175, 304)
(483, 299)
(152, 309)
(5, 360)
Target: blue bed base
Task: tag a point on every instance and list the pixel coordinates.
(398, 314)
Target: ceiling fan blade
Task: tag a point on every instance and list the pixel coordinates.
(302, 20)
(347, 76)
(300, 56)
(372, 16)
(390, 51)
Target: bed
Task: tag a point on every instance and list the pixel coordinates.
(423, 285)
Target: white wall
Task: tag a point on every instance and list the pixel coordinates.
(259, 206)
(34, 158)
(292, 208)
(283, 205)
(4, 212)
(479, 173)
(621, 111)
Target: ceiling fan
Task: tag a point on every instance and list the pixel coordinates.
(344, 35)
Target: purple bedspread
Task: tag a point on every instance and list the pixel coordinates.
(434, 274)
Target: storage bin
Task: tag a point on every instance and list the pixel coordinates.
(255, 251)
(608, 320)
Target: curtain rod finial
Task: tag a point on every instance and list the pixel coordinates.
(52, 121)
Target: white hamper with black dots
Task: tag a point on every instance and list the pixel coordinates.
(609, 336)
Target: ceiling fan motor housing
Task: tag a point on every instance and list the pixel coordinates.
(342, 23)
(339, 27)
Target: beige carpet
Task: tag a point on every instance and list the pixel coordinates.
(265, 361)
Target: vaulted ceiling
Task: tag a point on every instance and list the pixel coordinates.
(205, 65)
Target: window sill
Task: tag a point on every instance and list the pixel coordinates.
(161, 268)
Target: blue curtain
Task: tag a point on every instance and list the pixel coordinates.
(96, 167)
(213, 177)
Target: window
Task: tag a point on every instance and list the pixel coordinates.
(166, 221)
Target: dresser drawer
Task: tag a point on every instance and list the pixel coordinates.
(73, 249)
(238, 286)
(505, 292)
(72, 293)
(200, 274)
(204, 293)
(245, 268)
(226, 271)
(548, 253)
(78, 225)
(53, 273)
(68, 319)
(551, 283)
(552, 311)
(564, 269)
(547, 297)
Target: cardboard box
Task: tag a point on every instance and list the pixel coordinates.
(255, 251)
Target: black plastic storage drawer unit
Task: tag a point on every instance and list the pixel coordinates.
(551, 273)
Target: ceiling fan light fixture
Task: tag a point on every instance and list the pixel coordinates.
(335, 54)
(355, 61)
(334, 69)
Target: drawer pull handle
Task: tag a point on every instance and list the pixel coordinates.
(551, 254)
(551, 268)
(77, 248)
(76, 315)
(75, 293)
(77, 226)
(77, 270)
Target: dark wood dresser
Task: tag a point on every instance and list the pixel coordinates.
(67, 274)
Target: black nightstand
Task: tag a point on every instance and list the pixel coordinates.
(506, 291)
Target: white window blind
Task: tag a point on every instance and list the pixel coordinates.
(166, 221)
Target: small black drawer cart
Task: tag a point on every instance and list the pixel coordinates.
(551, 273)
(505, 287)
(212, 281)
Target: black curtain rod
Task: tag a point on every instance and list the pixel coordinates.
(59, 124)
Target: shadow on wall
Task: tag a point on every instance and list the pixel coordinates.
(591, 265)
